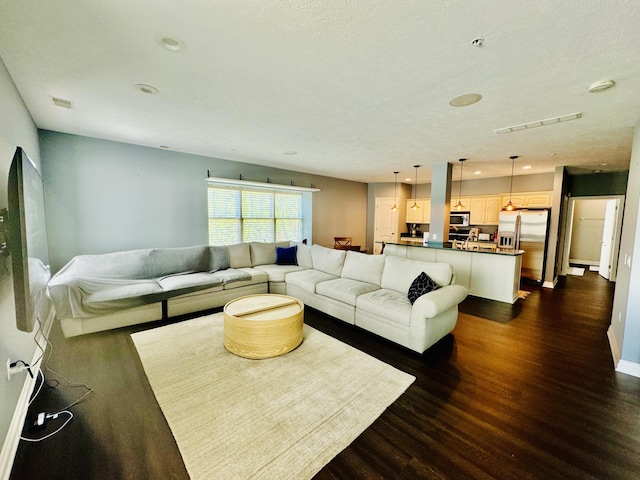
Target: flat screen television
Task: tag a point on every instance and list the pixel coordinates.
(26, 235)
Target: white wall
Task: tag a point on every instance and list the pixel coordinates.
(625, 321)
(16, 129)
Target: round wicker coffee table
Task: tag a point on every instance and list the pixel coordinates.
(263, 326)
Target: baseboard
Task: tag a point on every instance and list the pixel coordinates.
(613, 344)
(550, 284)
(628, 368)
(10, 447)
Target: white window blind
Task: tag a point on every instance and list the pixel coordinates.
(238, 214)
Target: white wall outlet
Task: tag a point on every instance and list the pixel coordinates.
(435, 236)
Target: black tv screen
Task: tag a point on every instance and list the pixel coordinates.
(27, 241)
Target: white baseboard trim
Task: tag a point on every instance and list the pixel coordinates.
(10, 447)
(550, 284)
(628, 368)
(615, 350)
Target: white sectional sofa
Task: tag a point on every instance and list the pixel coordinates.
(99, 292)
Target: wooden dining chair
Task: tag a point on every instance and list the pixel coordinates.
(342, 243)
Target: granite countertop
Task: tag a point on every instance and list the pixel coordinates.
(487, 252)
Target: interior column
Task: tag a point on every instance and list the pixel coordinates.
(440, 203)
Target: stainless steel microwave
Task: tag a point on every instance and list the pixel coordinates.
(459, 219)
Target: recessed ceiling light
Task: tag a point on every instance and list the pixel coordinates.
(290, 152)
(477, 172)
(477, 42)
(61, 102)
(602, 164)
(465, 100)
(527, 167)
(601, 86)
(144, 88)
(164, 146)
(408, 179)
(597, 171)
(171, 43)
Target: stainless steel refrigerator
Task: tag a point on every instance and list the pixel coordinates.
(531, 229)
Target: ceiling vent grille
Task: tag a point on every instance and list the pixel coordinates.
(61, 102)
(540, 123)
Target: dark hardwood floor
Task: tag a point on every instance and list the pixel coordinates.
(522, 391)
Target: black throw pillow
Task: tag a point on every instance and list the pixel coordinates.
(287, 255)
(421, 285)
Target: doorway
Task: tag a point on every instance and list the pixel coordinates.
(593, 226)
(385, 223)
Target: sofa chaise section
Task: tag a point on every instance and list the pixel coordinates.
(389, 313)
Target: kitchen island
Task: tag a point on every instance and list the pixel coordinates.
(487, 274)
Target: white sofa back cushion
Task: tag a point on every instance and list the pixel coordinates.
(363, 267)
(303, 254)
(240, 255)
(399, 273)
(327, 260)
(265, 253)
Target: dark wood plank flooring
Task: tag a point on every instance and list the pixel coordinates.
(522, 391)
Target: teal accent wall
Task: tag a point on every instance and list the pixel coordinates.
(598, 184)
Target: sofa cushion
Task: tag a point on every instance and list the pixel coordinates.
(166, 261)
(218, 259)
(120, 292)
(286, 255)
(308, 279)
(176, 282)
(327, 260)
(277, 273)
(264, 253)
(303, 254)
(239, 255)
(257, 276)
(363, 267)
(387, 303)
(344, 289)
(399, 273)
(421, 285)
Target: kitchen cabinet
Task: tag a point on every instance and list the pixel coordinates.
(492, 210)
(422, 214)
(529, 199)
(538, 199)
(484, 209)
(477, 206)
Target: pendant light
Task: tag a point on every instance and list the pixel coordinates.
(459, 206)
(415, 206)
(395, 192)
(510, 206)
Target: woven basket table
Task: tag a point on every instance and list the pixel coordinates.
(263, 326)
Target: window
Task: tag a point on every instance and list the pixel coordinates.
(245, 214)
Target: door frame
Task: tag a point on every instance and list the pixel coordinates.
(568, 226)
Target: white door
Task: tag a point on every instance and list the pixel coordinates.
(385, 224)
(608, 239)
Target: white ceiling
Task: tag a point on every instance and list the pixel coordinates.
(357, 88)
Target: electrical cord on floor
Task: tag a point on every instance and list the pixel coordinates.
(72, 384)
(51, 416)
(44, 417)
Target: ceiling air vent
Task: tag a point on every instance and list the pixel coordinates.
(61, 102)
(540, 123)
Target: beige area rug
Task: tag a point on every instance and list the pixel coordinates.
(279, 418)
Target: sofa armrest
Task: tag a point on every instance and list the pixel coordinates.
(438, 301)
